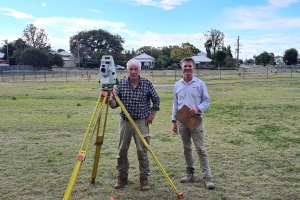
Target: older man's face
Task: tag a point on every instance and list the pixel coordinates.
(133, 71)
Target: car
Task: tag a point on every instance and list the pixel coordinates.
(119, 67)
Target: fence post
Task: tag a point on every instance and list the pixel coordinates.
(175, 73)
(45, 75)
(67, 76)
(23, 76)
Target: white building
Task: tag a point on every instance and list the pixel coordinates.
(68, 58)
(146, 60)
(201, 60)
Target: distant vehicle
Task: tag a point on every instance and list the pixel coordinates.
(119, 67)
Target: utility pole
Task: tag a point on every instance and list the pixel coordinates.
(237, 52)
(78, 52)
(7, 57)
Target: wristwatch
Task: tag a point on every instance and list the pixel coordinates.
(173, 120)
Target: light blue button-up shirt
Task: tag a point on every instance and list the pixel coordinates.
(192, 94)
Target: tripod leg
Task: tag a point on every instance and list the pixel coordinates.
(81, 156)
(98, 144)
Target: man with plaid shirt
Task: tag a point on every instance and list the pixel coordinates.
(137, 94)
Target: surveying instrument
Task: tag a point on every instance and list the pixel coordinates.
(108, 80)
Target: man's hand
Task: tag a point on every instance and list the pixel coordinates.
(112, 103)
(193, 111)
(150, 118)
(174, 127)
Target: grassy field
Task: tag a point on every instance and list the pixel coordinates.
(253, 140)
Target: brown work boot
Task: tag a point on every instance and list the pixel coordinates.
(122, 180)
(189, 175)
(208, 183)
(145, 185)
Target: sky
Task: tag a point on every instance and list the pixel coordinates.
(258, 25)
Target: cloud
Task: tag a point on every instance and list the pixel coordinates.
(258, 18)
(159, 40)
(59, 29)
(282, 3)
(16, 14)
(95, 10)
(44, 4)
(72, 25)
(165, 4)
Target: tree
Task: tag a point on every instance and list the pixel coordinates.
(191, 47)
(291, 56)
(228, 51)
(163, 61)
(34, 57)
(178, 54)
(214, 41)
(36, 38)
(8, 48)
(254, 58)
(219, 57)
(160, 63)
(60, 50)
(272, 58)
(93, 41)
(144, 49)
(229, 61)
(56, 60)
(264, 58)
(208, 45)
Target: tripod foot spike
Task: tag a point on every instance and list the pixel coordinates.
(180, 195)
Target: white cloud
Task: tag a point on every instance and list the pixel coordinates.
(16, 14)
(282, 3)
(59, 30)
(95, 10)
(159, 40)
(165, 4)
(72, 25)
(258, 18)
(44, 4)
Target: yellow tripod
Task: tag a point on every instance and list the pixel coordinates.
(87, 141)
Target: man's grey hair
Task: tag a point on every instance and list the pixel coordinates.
(134, 61)
(188, 59)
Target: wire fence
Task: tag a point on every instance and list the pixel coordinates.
(170, 76)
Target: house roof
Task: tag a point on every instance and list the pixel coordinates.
(65, 53)
(199, 59)
(143, 56)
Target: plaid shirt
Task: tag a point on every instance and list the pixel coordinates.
(137, 100)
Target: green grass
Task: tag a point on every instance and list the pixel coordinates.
(253, 141)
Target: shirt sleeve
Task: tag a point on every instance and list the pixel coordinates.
(205, 100)
(154, 98)
(175, 105)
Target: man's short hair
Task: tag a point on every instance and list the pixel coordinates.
(134, 61)
(188, 59)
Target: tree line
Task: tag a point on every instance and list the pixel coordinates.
(88, 46)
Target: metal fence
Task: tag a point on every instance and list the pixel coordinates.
(44, 75)
(244, 72)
